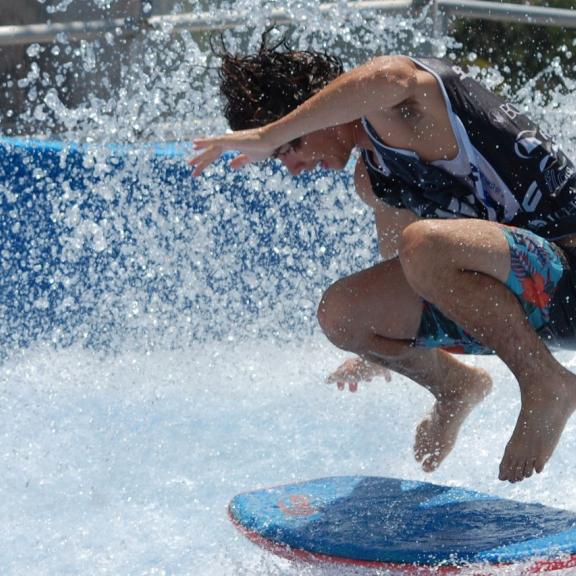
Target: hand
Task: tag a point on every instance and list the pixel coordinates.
(355, 370)
(254, 145)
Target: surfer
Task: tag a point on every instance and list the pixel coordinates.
(475, 212)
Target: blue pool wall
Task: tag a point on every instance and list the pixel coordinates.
(109, 244)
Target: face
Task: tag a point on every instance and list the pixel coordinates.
(328, 149)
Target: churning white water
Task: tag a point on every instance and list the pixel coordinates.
(125, 464)
(196, 370)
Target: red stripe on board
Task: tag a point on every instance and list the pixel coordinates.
(285, 551)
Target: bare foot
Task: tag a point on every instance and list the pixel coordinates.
(356, 370)
(437, 433)
(545, 410)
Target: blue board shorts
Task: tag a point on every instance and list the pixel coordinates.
(542, 278)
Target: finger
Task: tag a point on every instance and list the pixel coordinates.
(340, 385)
(332, 378)
(200, 162)
(212, 152)
(201, 143)
(194, 161)
(200, 166)
(239, 161)
(353, 386)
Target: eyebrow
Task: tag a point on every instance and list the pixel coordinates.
(292, 145)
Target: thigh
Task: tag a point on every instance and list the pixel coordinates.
(378, 300)
(431, 246)
(532, 268)
(529, 265)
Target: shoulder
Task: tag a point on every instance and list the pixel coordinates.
(394, 69)
(413, 84)
(402, 69)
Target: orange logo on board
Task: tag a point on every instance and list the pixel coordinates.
(296, 505)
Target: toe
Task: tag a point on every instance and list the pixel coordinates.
(431, 463)
(529, 468)
(421, 448)
(519, 471)
(505, 467)
(419, 454)
(539, 465)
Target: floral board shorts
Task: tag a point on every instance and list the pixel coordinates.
(543, 278)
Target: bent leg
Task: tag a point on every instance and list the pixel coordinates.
(376, 314)
(462, 267)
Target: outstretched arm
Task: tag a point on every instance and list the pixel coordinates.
(378, 85)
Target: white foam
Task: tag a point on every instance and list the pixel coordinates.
(125, 465)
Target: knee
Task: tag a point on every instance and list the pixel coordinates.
(421, 252)
(337, 318)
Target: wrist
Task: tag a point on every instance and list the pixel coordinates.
(271, 135)
(283, 130)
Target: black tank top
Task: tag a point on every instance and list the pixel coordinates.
(540, 176)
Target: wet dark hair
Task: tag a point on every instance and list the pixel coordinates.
(260, 88)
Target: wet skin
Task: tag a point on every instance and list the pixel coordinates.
(543, 415)
(405, 106)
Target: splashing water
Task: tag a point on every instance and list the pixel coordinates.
(160, 347)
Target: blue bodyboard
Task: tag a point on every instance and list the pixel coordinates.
(374, 521)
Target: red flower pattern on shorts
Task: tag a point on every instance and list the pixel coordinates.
(534, 290)
(536, 267)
